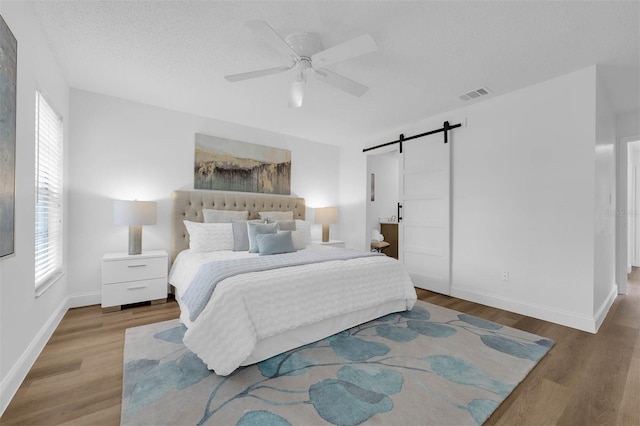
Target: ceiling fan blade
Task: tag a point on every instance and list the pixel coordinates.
(255, 74)
(340, 82)
(343, 51)
(272, 37)
(297, 93)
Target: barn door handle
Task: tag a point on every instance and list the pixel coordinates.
(399, 212)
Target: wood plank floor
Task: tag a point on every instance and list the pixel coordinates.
(585, 379)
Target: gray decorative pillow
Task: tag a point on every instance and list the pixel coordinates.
(276, 215)
(223, 216)
(241, 234)
(275, 243)
(284, 225)
(259, 228)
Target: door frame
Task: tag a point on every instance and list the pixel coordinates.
(621, 213)
(373, 222)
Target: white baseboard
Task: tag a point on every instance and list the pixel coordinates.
(602, 312)
(11, 383)
(84, 299)
(14, 379)
(569, 319)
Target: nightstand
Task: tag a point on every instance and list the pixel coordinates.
(133, 278)
(332, 243)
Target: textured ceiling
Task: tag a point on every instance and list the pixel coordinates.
(174, 54)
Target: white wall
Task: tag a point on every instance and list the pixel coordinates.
(524, 176)
(27, 321)
(605, 203)
(353, 201)
(125, 150)
(628, 124)
(523, 200)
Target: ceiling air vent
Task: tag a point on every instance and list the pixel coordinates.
(475, 94)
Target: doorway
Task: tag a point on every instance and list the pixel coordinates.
(383, 196)
(627, 216)
(633, 205)
(419, 193)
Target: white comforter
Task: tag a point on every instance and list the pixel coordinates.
(250, 307)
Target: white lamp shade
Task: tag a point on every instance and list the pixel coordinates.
(134, 212)
(326, 215)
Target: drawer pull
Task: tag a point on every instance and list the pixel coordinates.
(136, 266)
(137, 287)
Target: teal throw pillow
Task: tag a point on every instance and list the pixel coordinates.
(259, 228)
(275, 243)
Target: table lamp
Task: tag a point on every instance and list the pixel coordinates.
(326, 216)
(135, 214)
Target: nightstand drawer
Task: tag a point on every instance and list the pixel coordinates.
(132, 292)
(117, 271)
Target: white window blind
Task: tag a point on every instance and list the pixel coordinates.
(48, 229)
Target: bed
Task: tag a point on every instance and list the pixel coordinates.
(254, 315)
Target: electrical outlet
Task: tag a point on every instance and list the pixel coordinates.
(505, 276)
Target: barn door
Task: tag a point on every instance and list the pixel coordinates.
(425, 229)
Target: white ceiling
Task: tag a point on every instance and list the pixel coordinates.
(174, 54)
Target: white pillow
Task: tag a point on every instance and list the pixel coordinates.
(273, 216)
(205, 237)
(223, 216)
(298, 240)
(304, 229)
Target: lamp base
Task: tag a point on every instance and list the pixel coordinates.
(325, 232)
(135, 239)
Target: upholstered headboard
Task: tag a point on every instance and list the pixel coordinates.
(188, 205)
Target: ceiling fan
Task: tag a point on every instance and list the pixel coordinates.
(307, 54)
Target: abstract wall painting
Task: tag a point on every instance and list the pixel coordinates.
(8, 74)
(230, 165)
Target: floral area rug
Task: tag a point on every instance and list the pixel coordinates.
(427, 366)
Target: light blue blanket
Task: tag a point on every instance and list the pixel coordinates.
(209, 275)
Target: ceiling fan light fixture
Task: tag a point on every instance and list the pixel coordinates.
(297, 91)
(304, 49)
(301, 77)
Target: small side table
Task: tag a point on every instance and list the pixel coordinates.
(379, 246)
(133, 278)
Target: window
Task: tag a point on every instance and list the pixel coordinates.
(48, 192)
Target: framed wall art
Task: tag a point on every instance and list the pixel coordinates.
(8, 77)
(230, 165)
